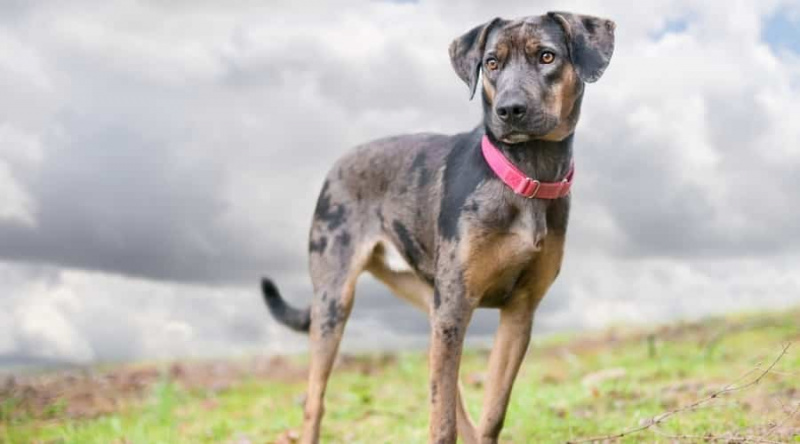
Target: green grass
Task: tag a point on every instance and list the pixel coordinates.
(373, 399)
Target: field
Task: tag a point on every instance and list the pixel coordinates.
(712, 380)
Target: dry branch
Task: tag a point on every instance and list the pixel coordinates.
(660, 418)
(738, 439)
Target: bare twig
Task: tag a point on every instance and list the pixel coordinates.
(711, 437)
(660, 418)
(739, 437)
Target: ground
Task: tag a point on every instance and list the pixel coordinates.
(571, 387)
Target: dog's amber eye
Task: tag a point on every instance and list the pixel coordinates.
(491, 64)
(547, 57)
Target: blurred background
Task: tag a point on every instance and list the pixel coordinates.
(158, 157)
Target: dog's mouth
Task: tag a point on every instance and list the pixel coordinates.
(512, 138)
(513, 135)
(525, 132)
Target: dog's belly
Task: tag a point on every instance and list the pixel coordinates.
(407, 247)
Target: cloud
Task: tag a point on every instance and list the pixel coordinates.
(157, 157)
(74, 316)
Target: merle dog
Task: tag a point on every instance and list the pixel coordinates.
(464, 211)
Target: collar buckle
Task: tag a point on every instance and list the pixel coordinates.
(536, 186)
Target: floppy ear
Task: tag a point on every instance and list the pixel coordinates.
(590, 41)
(466, 54)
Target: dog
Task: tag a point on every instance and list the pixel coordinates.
(480, 217)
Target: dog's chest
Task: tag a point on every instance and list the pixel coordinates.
(503, 241)
(521, 223)
(529, 228)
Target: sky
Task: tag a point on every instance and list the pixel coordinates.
(158, 157)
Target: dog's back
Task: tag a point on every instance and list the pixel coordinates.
(388, 188)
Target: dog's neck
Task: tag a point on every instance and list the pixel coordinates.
(547, 161)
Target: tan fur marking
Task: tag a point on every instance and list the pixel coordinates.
(568, 91)
(545, 267)
(532, 46)
(489, 88)
(492, 259)
(565, 94)
(502, 50)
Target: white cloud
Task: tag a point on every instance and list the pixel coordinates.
(647, 291)
(15, 204)
(19, 153)
(67, 315)
(43, 332)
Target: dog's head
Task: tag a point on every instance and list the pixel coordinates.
(533, 71)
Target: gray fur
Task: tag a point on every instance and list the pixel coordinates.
(466, 53)
(591, 42)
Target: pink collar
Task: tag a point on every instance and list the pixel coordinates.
(518, 181)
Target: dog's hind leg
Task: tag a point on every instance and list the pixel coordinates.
(334, 274)
(405, 284)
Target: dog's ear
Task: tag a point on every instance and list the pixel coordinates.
(590, 41)
(466, 53)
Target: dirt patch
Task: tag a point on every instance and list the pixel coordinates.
(88, 393)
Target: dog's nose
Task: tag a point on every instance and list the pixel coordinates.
(511, 110)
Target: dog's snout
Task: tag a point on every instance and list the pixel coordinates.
(511, 110)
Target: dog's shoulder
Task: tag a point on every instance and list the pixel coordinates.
(464, 171)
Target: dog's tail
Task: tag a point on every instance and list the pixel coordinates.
(298, 320)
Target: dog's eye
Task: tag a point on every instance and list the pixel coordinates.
(547, 57)
(491, 64)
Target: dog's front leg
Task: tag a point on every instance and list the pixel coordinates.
(450, 315)
(513, 336)
(510, 345)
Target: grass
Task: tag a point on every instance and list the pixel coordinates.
(383, 399)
